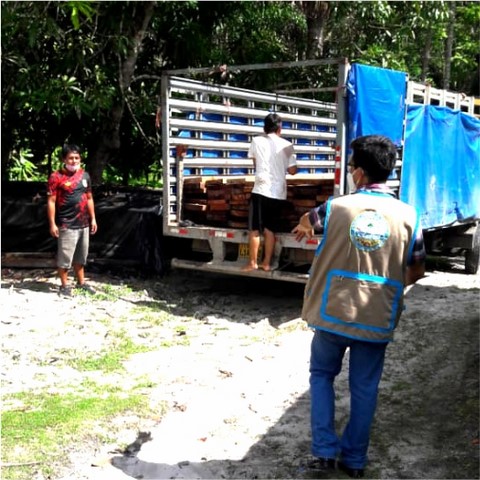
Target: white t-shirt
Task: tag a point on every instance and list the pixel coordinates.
(273, 155)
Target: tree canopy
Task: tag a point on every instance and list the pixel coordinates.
(89, 72)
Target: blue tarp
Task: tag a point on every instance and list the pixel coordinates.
(441, 165)
(441, 159)
(376, 102)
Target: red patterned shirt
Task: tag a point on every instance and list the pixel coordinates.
(71, 198)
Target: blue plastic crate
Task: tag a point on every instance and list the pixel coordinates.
(210, 153)
(210, 171)
(238, 121)
(238, 137)
(237, 154)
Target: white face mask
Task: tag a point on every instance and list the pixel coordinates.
(351, 183)
(72, 168)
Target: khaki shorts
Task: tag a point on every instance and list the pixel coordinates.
(73, 247)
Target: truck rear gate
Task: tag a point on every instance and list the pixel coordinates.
(206, 132)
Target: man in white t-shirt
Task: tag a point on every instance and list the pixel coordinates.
(273, 157)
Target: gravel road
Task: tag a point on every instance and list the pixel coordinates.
(237, 392)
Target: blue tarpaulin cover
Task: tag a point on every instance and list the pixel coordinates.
(376, 102)
(441, 159)
(441, 165)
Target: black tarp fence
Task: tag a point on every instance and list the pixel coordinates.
(129, 224)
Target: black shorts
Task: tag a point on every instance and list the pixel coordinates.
(264, 213)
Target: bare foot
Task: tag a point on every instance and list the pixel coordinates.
(249, 267)
(266, 268)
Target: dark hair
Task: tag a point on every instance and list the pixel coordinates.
(69, 148)
(272, 123)
(376, 154)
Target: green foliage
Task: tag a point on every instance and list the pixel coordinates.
(22, 168)
(150, 177)
(63, 63)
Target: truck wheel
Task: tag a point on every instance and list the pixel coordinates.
(472, 256)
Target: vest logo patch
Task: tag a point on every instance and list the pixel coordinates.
(369, 231)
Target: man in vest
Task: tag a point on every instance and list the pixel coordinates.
(372, 248)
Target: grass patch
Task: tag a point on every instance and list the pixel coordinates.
(182, 341)
(36, 436)
(155, 319)
(111, 359)
(40, 428)
(107, 293)
(400, 386)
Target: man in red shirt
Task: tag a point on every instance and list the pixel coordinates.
(71, 216)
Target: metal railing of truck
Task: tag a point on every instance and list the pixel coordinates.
(215, 124)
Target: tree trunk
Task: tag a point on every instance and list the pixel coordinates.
(6, 153)
(316, 14)
(426, 55)
(449, 45)
(109, 142)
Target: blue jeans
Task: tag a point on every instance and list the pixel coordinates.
(365, 372)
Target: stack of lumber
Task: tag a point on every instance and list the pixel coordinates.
(225, 202)
(218, 202)
(194, 200)
(239, 203)
(304, 195)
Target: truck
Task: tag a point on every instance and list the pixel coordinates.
(207, 128)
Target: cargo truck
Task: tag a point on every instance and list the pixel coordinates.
(207, 128)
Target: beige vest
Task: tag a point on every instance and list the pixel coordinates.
(357, 277)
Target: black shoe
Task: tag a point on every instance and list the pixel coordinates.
(85, 288)
(321, 463)
(351, 472)
(65, 291)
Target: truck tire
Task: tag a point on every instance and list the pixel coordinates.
(472, 256)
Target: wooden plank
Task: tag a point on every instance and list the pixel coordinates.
(239, 213)
(194, 188)
(304, 202)
(28, 260)
(237, 224)
(195, 207)
(308, 182)
(200, 201)
(196, 180)
(215, 194)
(214, 184)
(218, 201)
(223, 207)
(240, 197)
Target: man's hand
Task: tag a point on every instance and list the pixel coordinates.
(54, 231)
(415, 273)
(302, 231)
(93, 226)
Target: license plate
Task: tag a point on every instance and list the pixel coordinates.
(244, 251)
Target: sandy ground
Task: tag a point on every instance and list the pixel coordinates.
(237, 395)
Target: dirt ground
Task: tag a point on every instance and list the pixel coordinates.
(237, 394)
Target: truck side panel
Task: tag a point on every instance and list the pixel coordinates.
(207, 130)
(441, 173)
